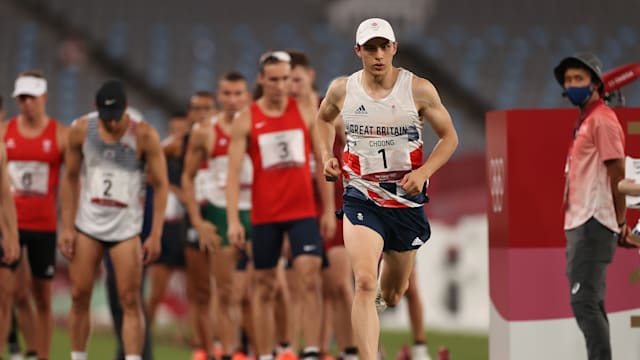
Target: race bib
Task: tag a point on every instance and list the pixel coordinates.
(384, 159)
(29, 177)
(108, 187)
(282, 149)
(219, 165)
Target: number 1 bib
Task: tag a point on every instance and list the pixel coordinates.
(383, 159)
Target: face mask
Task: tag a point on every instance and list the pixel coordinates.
(578, 95)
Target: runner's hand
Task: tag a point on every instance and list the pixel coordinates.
(626, 238)
(10, 250)
(412, 183)
(331, 169)
(151, 249)
(67, 243)
(207, 236)
(328, 225)
(236, 235)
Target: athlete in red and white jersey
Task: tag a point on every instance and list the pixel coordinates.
(383, 108)
(384, 140)
(209, 143)
(35, 146)
(277, 133)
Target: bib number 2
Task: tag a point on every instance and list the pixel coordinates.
(109, 188)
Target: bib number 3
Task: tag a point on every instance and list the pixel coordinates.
(282, 149)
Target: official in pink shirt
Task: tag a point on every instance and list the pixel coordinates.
(595, 209)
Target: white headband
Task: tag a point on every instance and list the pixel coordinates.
(30, 85)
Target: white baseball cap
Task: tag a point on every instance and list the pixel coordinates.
(373, 28)
(30, 85)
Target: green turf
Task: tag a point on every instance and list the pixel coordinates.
(461, 346)
(102, 346)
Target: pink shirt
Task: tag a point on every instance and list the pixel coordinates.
(599, 138)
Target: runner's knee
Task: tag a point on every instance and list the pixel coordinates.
(366, 283)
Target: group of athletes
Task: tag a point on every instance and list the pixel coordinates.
(285, 201)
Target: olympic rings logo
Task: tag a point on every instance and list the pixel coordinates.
(496, 174)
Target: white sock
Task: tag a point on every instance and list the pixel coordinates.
(78, 355)
(419, 352)
(132, 357)
(265, 357)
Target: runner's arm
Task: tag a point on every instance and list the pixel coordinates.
(156, 178)
(240, 131)
(430, 107)
(196, 153)
(9, 224)
(70, 185)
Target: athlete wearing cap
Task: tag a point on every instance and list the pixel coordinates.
(595, 209)
(384, 109)
(277, 133)
(104, 213)
(35, 145)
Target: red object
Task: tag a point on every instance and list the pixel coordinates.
(526, 154)
(443, 353)
(36, 212)
(620, 76)
(281, 191)
(221, 146)
(404, 353)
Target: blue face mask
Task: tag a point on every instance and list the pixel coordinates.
(578, 95)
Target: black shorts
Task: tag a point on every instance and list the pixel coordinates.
(243, 261)
(266, 242)
(174, 236)
(402, 229)
(40, 247)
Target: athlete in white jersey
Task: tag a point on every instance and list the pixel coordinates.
(385, 180)
(103, 212)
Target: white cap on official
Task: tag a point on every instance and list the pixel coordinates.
(373, 28)
(30, 85)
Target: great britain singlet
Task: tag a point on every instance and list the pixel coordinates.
(112, 192)
(384, 142)
(279, 148)
(34, 171)
(218, 169)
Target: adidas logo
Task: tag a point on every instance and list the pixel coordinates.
(417, 242)
(361, 110)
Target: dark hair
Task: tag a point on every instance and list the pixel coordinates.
(233, 76)
(299, 58)
(204, 93)
(32, 72)
(0, 102)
